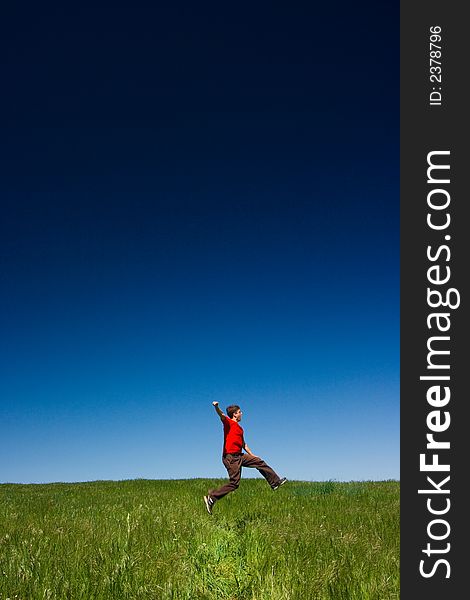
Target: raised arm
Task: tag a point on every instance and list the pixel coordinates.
(218, 411)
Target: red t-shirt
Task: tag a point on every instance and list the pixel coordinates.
(233, 437)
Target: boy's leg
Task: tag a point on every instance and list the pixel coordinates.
(233, 464)
(266, 471)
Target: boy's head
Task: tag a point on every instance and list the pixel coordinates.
(234, 409)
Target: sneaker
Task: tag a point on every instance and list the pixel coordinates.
(209, 502)
(281, 482)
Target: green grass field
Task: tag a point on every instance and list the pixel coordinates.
(151, 539)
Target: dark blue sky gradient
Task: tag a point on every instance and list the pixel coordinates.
(199, 203)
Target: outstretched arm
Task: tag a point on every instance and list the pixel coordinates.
(218, 411)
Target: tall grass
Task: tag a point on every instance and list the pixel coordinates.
(142, 539)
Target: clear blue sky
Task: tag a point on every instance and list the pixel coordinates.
(200, 204)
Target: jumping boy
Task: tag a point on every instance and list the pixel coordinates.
(234, 459)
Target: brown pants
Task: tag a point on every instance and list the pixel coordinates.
(234, 463)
